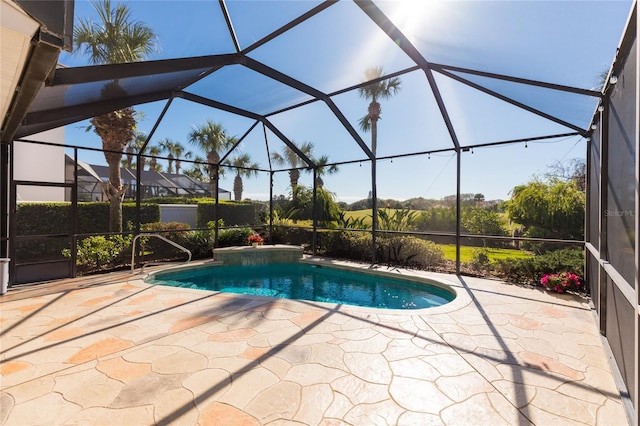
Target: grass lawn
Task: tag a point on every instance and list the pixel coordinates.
(466, 253)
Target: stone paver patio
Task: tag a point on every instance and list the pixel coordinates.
(121, 352)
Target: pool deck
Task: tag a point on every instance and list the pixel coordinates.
(111, 349)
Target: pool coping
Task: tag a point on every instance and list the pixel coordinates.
(462, 297)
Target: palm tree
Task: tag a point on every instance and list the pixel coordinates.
(154, 151)
(178, 153)
(196, 171)
(383, 89)
(323, 169)
(133, 147)
(211, 138)
(174, 150)
(292, 159)
(244, 167)
(116, 39)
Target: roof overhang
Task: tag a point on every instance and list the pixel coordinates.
(32, 34)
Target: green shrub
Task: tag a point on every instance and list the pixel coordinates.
(234, 236)
(346, 244)
(233, 213)
(530, 270)
(200, 243)
(410, 251)
(174, 231)
(480, 260)
(93, 217)
(98, 251)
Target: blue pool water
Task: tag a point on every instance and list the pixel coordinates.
(309, 282)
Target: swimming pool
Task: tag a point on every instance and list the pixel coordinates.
(302, 281)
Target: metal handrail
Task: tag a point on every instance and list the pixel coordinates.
(176, 245)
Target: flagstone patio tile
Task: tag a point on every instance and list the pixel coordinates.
(506, 410)
(518, 394)
(369, 367)
(339, 407)
(415, 368)
(184, 361)
(110, 416)
(310, 374)
(283, 335)
(360, 392)
(482, 366)
(246, 385)
(44, 410)
(385, 412)
(611, 413)
(278, 366)
(208, 383)
(146, 389)
(600, 379)
(314, 402)
(149, 353)
(374, 345)
(411, 418)
(418, 395)
(223, 414)
(7, 402)
(280, 401)
(88, 388)
(539, 416)
(476, 410)
(29, 390)
(175, 406)
(461, 387)
(212, 349)
(122, 370)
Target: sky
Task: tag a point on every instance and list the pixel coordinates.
(563, 42)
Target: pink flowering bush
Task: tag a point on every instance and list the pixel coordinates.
(561, 282)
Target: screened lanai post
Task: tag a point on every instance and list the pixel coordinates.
(603, 128)
(74, 214)
(4, 201)
(314, 240)
(271, 206)
(215, 208)
(458, 215)
(374, 210)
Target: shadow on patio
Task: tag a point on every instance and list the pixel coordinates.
(129, 353)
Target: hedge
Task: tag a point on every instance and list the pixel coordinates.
(237, 213)
(93, 217)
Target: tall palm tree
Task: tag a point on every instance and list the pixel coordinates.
(133, 147)
(174, 152)
(116, 39)
(383, 89)
(290, 158)
(211, 138)
(154, 151)
(244, 168)
(380, 89)
(323, 168)
(196, 171)
(179, 155)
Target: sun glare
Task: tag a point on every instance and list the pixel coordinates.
(410, 15)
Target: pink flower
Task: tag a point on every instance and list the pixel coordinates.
(561, 282)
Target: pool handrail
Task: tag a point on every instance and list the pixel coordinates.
(173, 243)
